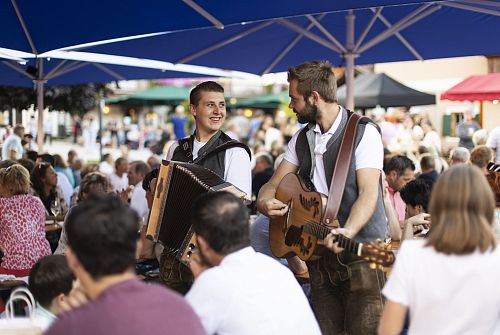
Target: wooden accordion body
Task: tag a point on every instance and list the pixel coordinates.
(178, 185)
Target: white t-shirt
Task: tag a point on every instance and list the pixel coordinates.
(237, 170)
(432, 139)
(13, 142)
(248, 294)
(138, 200)
(494, 143)
(119, 183)
(368, 154)
(106, 168)
(446, 294)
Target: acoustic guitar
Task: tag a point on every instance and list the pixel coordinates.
(300, 231)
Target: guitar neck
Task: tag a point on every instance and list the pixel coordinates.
(321, 232)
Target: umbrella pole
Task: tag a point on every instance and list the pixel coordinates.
(102, 104)
(349, 62)
(39, 102)
(480, 122)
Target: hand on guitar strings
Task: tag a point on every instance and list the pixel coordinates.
(330, 240)
(273, 208)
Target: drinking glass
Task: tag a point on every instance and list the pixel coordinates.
(55, 207)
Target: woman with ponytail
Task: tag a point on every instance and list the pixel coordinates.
(449, 281)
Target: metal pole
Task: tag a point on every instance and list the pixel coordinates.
(39, 103)
(349, 61)
(100, 109)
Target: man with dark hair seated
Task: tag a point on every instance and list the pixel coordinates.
(237, 290)
(416, 195)
(50, 282)
(31, 154)
(46, 158)
(102, 237)
(428, 166)
(399, 170)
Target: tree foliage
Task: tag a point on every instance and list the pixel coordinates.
(75, 99)
(16, 97)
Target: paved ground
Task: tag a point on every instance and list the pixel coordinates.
(62, 147)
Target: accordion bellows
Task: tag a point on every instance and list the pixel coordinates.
(178, 185)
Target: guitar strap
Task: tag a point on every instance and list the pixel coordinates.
(339, 177)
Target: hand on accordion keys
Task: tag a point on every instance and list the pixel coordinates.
(197, 264)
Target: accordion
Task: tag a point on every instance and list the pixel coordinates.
(177, 187)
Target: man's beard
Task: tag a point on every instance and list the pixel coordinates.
(308, 113)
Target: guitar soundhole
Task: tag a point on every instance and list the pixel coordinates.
(293, 236)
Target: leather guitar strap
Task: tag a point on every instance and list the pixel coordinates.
(339, 177)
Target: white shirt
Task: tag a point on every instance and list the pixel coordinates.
(43, 317)
(13, 142)
(494, 143)
(119, 183)
(237, 170)
(106, 168)
(66, 188)
(368, 154)
(432, 139)
(272, 135)
(138, 200)
(248, 294)
(446, 294)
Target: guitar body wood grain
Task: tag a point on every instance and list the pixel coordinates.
(285, 233)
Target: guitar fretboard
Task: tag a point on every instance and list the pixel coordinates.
(321, 232)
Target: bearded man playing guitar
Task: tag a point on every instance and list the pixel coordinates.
(345, 292)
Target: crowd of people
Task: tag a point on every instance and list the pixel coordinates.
(437, 211)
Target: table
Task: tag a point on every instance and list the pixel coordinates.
(52, 227)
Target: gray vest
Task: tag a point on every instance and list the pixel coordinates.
(377, 225)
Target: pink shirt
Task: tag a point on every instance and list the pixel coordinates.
(397, 203)
(128, 308)
(22, 231)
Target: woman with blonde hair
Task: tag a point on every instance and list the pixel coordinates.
(449, 281)
(22, 223)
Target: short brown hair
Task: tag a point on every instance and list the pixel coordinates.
(315, 76)
(206, 86)
(481, 156)
(89, 168)
(18, 128)
(427, 162)
(94, 181)
(16, 179)
(462, 209)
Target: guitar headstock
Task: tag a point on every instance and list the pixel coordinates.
(379, 255)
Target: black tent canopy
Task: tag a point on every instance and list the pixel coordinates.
(378, 89)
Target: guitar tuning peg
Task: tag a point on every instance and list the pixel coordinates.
(373, 266)
(381, 267)
(378, 241)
